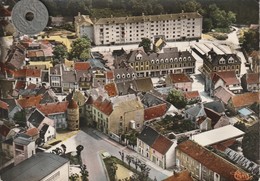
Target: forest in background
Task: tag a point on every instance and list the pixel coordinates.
(246, 11)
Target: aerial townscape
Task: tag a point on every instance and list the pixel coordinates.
(140, 90)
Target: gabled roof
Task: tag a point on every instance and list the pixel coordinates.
(209, 159)
(155, 111)
(217, 106)
(20, 84)
(180, 78)
(253, 78)
(36, 118)
(223, 94)
(77, 96)
(144, 84)
(246, 99)
(182, 176)
(214, 116)
(228, 77)
(27, 73)
(82, 66)
(4, 105)
(32, 132)
(194, 110)
(162, 144)
(53, 108)
(191, 95)
(111, 89)
(4, 130)
(109, 75)
(105, 106)
(28, 102)
(148, 135)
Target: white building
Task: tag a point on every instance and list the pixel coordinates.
(121, 30)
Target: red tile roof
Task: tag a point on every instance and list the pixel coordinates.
(20, 85)
(224, 145)
(182, 176)
(253, 78)
(29, 102)
(179, 78)
(90, 100)
(82, 66)
(208, 159)
(4, 105)
(53, 108)
(32, 132)
(110, 75)
(27, 73)
(246, 99)
(155, 111)
(31, 86)
(162, 144)
(104, 106)
(191, 94)
(228, 77)
(72, 104)
(111, 89)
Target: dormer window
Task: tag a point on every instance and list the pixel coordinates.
(180, 59)
(162, 61)
(222, 61)
(118, 76)
(152, 61)
(123, 76)
(133, 75)
(189, 59)
(175, 60)
(157, 61)
(138, 56)
(128, 75)
(166, 60)
(231, 60)
(171, 60)
(184, 59)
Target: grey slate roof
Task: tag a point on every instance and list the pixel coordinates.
(148, 135)
(23, 139)
(36, 118)
(216, 106)
(194, 111)
(35, 168)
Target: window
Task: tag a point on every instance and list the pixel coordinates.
(189, 58)
(133, 75)
(118, 76)
(128, 75)
(180, 59)
(184, 59)
(152, 61)
(171, 60)
(162, 61)
(166, 60)
(157, 61)
(123, 76)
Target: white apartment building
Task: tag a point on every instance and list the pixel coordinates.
(123, 30)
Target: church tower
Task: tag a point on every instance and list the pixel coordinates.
(73, 115)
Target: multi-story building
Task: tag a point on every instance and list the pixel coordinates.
(203, 164)
(121, 30)
(118, 114)
(158, 64)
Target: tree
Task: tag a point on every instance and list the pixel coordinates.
(20, 118)
(59, 52)
(250, 145)
(250, 40)
(146, 44)
(80, 49)
(79, 149)
(177, 99)
(241, 126)
(192, 6)
(84, 172)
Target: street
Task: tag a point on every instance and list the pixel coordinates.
(94, 143)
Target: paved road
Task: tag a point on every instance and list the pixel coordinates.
(94, 143)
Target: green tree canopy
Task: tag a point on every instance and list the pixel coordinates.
(192, 6)
(177, 99)
(250, 40)
(20, 118)
(80, 49)
(60, 52)
(146, 44)
(250, 145)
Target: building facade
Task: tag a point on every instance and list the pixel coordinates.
(122, 30)
(73, 115)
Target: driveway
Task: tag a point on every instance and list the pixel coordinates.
(95, 142)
